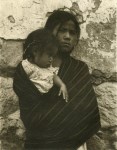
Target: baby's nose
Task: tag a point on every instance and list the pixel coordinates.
(51, 59)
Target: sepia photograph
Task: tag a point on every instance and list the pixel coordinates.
(58, 75)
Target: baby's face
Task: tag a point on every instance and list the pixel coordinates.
(45, 59)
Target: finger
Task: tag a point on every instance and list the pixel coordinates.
(59, 93)
(66, 98)
(63, 95)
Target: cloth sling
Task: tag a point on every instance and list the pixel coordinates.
(52, 123)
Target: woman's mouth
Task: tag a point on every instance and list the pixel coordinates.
(65, 44)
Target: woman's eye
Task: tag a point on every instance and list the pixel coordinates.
(72, 32)
(62, 30)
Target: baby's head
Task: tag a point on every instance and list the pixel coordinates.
(40, 48)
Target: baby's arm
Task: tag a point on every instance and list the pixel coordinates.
(63, 89)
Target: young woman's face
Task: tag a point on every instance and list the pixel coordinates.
(67, 36)
(45, 59)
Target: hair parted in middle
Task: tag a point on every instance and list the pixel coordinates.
(41, 40)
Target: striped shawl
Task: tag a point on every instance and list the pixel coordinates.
(50, 122)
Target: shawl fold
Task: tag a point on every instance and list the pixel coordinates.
(50, 122)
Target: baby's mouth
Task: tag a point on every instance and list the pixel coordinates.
(48, 64)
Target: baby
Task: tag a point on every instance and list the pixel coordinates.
(39, 53)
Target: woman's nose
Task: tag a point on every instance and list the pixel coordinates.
(67, 35)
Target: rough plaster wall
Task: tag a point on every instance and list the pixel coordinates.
(97, 47)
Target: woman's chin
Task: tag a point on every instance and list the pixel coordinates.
(65, 51)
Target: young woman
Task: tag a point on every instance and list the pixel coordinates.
(50, 122)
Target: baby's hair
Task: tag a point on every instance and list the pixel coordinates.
(39, 40)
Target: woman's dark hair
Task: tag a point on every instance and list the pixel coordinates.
(40, 40)
(60, 17)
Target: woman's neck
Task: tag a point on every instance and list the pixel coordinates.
(57, 61)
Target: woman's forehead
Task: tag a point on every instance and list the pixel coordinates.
(69, 25)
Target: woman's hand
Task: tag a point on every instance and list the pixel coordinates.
(63, 91)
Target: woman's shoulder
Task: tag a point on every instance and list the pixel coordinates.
(78, 62)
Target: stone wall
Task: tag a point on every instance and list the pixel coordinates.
(97, 47)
